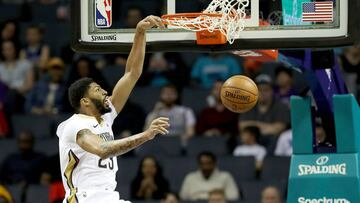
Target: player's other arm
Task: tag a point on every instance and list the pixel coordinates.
(92, 143)
(134, 64)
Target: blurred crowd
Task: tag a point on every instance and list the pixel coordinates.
(35, 73)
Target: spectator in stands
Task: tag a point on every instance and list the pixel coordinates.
(284, 84)
(284, 144)
(159, 68)
(10, 31)
(36, 51)
(161, 72)
(271, 195)
(5, 196)
(350, 63)
(217, 196)
(217, 120)
(24, 166)
(170, 197)
(208, 69)
(250, 147)
(198, 184)
(63, 11)
(16, 74)
(47, 95)
(134, 15)
(213, 97)
(149, 183)
(182, 119)
(270, 115)
(85, 67)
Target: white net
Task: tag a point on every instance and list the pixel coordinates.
(230, 21)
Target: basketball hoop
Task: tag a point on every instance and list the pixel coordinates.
(199, 22)
(222, 20)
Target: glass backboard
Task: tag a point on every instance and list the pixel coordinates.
(107, 26)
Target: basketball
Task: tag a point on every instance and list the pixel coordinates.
(239, 94)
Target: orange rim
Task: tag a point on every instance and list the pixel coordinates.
(189, 15)
(178, 16)
(205, 37)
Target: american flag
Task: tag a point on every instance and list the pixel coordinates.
(318, 11)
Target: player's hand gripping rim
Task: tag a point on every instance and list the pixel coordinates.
(150, 22)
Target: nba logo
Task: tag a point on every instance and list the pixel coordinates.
(103, 13)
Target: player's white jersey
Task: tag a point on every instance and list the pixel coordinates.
(82, 170)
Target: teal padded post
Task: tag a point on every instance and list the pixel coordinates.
(321, 178)
(347, 120)
(301, 124)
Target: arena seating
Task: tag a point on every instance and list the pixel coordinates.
(7, 147)
(44, 13)
(165, 146)
(198, 103)
(16, 192)
(187, 6)
(216, 145)
(40, 126)
(48, 146)
(35, 194)
(9, 11)
(148, 6)
(177, 169)
(276, 168)
(251, 191)
(242, 168)
(145, 97)
(176, 160)
(124, 191)
(128, 168)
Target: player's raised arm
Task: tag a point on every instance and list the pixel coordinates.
(135, 62)
(92, 143)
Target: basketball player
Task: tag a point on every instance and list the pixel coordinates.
(87, 147)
